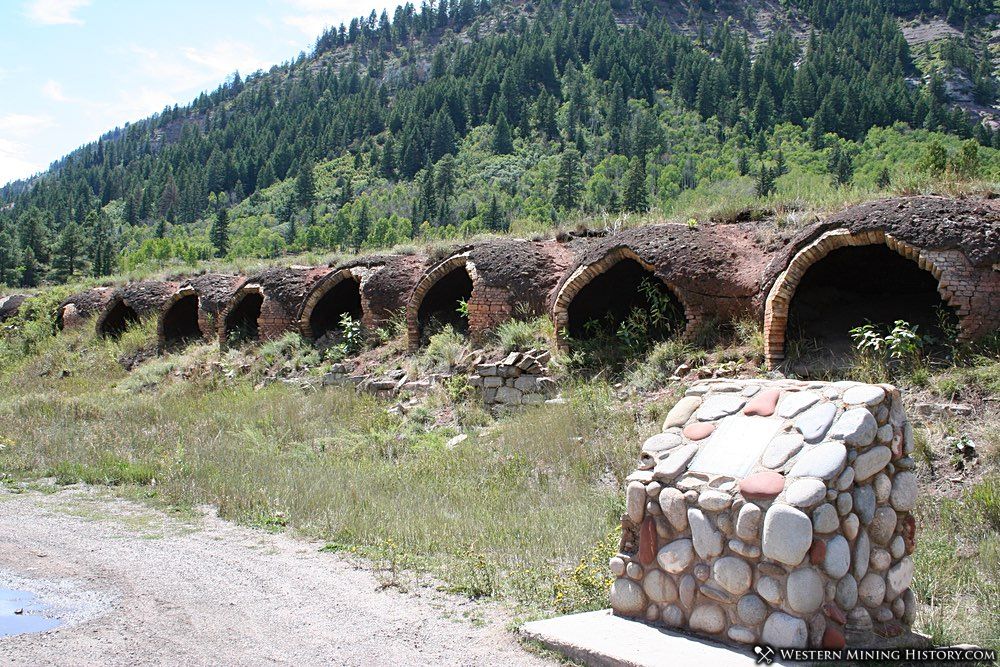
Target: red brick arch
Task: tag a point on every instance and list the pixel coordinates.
(583, 275)
(779, 299)
(316, 295)
(182, 293)
(234, 303)
(438, 272)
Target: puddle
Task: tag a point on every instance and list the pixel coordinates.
(21, 612)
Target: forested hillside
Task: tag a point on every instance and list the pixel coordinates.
(464, 117)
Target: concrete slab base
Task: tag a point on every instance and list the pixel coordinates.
(600, 639)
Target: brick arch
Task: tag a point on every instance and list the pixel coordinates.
(183, 293)
(582, 277)
(117, 301)
(779, 299)
(242, 293)
(316, 295)
(425, 284)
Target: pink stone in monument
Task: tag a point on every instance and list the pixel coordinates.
(762, 485)
(698, 430)
(817, 552)
(763, 403)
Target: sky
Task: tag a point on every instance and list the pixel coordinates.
(71, 70)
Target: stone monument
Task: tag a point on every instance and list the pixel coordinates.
(774, 512)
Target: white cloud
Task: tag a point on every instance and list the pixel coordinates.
(15, 130)
(188, 69)
(54, 91)
(311, 17)
(55, 12)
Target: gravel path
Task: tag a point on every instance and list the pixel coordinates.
(137, 586)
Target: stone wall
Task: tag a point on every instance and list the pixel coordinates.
(520, 378)
(774, 512)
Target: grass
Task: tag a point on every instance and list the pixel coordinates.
(508, 513)
(525, 509)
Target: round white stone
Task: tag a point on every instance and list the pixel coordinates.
(672, 616)
(635, 501)
(783, 447)
(742, 635)
(805, 590)
(718, 406)
(706, 539)
(847, 592)
(824, 461)
(864, 394)
(904, 491)
(856, 427)
(687, 590)
(795, 402)
(882, 525)
(882, 487)
(733, 574)
(837, 560)
(846, 479)
(850, 526)
(787, 534)
(751, 610)
(785, 631)
(880, 560)
(864, 503)
(871, 461)
(617, 566)
(712, 500)
(659, 587)
(676, 556)
(871, 590)
(681, 412)
(825, 519)
(805, 492)
(898, 547)
(769, 588)
(674, 508)
(862, 554)
(627, 597)
(814, 422)
(748, 522)
(899, 578)
(708, 618)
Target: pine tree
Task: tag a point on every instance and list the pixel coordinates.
(305, 186)
(636, 198)
(568, 180)
(362, 225)
(765, 181)
(219, 233)
(161, 228)
(101, 259)
(29, 269)
(66, 258)
(883, 180)
(494, 218)
(503, 144)
(8, 257)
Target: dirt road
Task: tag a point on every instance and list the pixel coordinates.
(137, 586)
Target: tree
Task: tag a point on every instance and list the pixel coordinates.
(29, 270)
(494, 218)
(66, 257)
(305, 186)
(883, 180)
(636, 197)
(840, 164)
(8, 257)
(966, 163)
(219, 233)
(362, 224)
(765, 181)
(503, 144)
(101, 257)
(568, 180)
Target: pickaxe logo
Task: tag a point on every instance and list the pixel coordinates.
(765, 654)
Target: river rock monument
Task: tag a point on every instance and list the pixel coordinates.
(774, 512)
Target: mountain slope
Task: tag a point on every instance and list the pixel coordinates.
(469, 117)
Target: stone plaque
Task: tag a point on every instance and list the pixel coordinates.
(736, 445)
